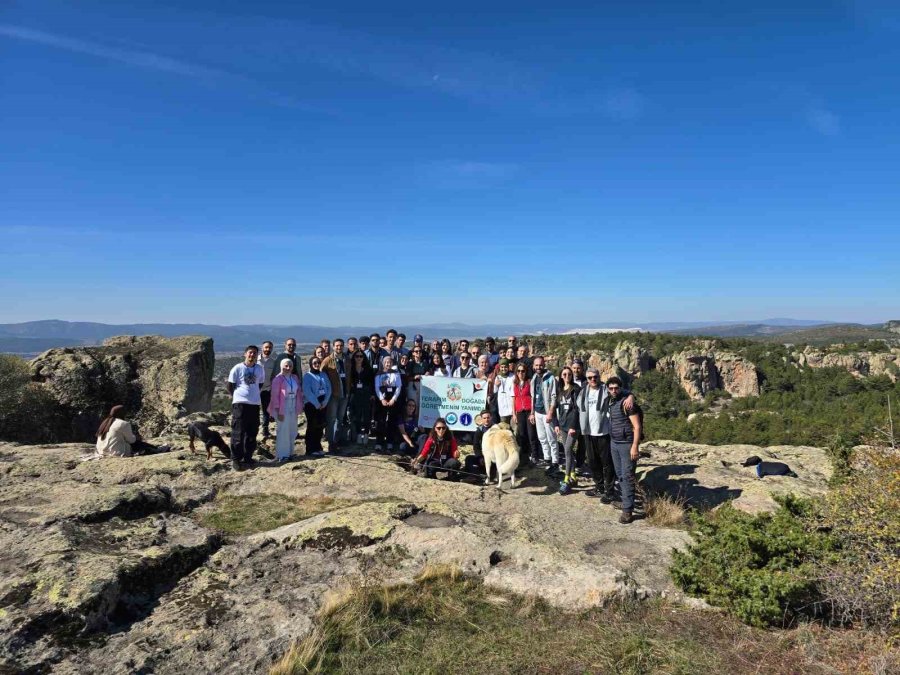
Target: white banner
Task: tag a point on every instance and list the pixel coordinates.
(458, 400)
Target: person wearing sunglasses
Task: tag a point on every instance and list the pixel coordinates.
(593, 412)
(465, 368)
(526, 434)
(440, 453)
(316, 394)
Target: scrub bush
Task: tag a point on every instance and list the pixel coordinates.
(862, 586)
(761, 568)
(25, 408)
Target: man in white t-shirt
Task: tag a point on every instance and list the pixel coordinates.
(244, 382)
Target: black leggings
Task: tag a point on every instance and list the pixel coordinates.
(386, 422)
(315, 427)
(526, 437)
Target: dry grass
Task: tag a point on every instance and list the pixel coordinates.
(448, 623)
(246, 514)
(664, 510)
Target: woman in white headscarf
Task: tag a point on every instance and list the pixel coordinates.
(285, 406)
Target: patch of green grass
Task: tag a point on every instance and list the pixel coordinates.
(446, 623)
(246, 514)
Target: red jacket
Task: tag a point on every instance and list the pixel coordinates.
(522, 396)
(429, 448)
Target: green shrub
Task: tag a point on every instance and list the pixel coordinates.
(25, 408)
(761, 568)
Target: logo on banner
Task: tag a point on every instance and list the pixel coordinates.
(451, 418)
(477, 386)
(454, 392)
(465, 419)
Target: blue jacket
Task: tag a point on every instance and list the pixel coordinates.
(314, 385)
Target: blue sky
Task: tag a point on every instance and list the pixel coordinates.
(356, 162)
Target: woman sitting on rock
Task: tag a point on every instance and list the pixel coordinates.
(440, 453)
(411, 434)
(285, 406)
(115, 437)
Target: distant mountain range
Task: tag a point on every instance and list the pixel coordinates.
(36, 336)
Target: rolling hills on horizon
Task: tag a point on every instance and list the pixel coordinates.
(36, 336)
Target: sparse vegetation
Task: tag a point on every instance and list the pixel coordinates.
(664, 510)
(246, 514)
(25, 408)
(445, 623)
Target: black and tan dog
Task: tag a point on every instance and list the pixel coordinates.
(211, 439)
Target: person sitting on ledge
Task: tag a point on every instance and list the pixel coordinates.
(116, 438)
(440, 453)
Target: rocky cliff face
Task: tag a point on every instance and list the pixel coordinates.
(858, 364)
(704, 368)
(157, 379)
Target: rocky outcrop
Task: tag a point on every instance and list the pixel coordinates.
(707, 476)
(858, 364)
(893, 326)
(108, 565)
(157, 379)
(701, 372)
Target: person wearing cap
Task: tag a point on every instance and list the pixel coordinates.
(490, 349)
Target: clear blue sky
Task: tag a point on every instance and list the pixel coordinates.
(354, 162)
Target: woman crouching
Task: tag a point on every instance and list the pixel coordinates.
(440, 453)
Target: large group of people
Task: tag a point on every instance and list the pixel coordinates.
(367, 389)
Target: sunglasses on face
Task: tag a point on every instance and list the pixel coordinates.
(440, 428)
(592, 377)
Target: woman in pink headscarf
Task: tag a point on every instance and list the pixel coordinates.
(285, 406)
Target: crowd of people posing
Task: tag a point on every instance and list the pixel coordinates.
(571, 423)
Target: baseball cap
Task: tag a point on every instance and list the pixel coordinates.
(418, 338)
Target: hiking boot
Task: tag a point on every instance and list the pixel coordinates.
(594, 492)
(606, 498)
(565, 488)
(235, 465)
(626, 517)
(552, 470)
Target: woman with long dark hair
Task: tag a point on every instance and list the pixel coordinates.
(526, 433)
(568, 425)
(116, 438)
(412, 436)
(437, 367)
(440, 452)
(388, 387)
(361, 383)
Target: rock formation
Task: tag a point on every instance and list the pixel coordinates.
(701, 372)
(858, 364)
(157, 379)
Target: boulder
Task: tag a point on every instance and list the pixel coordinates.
(157, 379)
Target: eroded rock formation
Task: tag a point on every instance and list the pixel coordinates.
(157, 379)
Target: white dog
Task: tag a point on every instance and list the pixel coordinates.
(498, 445)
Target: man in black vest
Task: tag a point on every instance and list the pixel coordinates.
(625, 438)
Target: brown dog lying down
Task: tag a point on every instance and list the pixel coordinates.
(211, 439)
